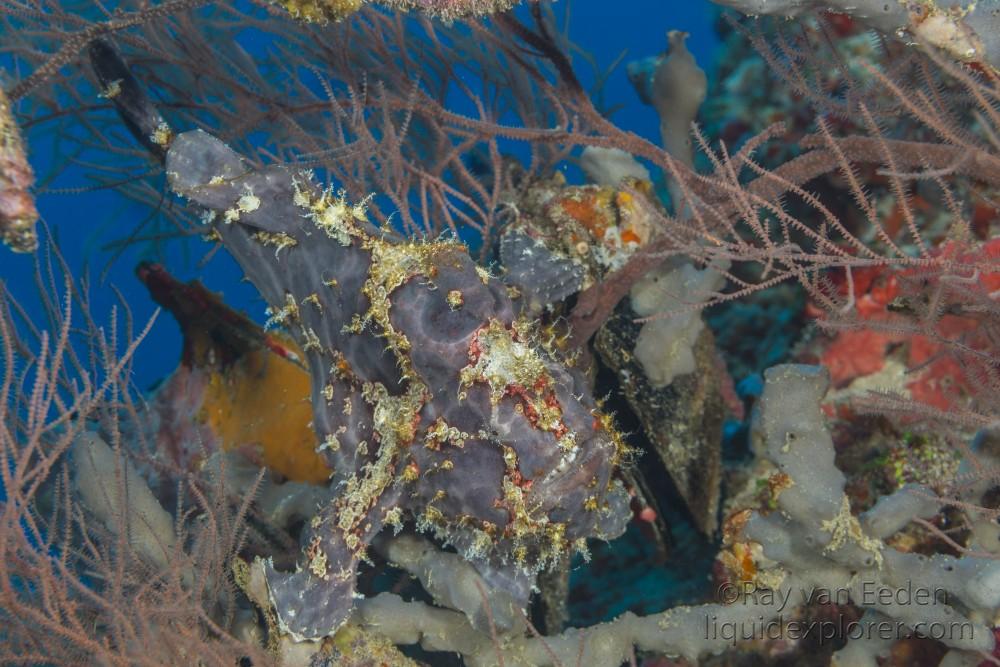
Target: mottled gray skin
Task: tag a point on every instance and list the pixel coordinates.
(543, 277)
(440, 336)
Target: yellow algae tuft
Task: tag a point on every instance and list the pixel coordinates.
(320, 11)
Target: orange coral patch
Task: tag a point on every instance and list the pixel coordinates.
(592, 209)
(856, 354)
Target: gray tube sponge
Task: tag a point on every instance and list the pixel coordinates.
(793, 427)
(678, 88)
(894, 511)
(665, 346)
(455, 583)
(132, 505)
(976, 581)
(866, 650)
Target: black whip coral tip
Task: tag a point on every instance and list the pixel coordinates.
(120, 86)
